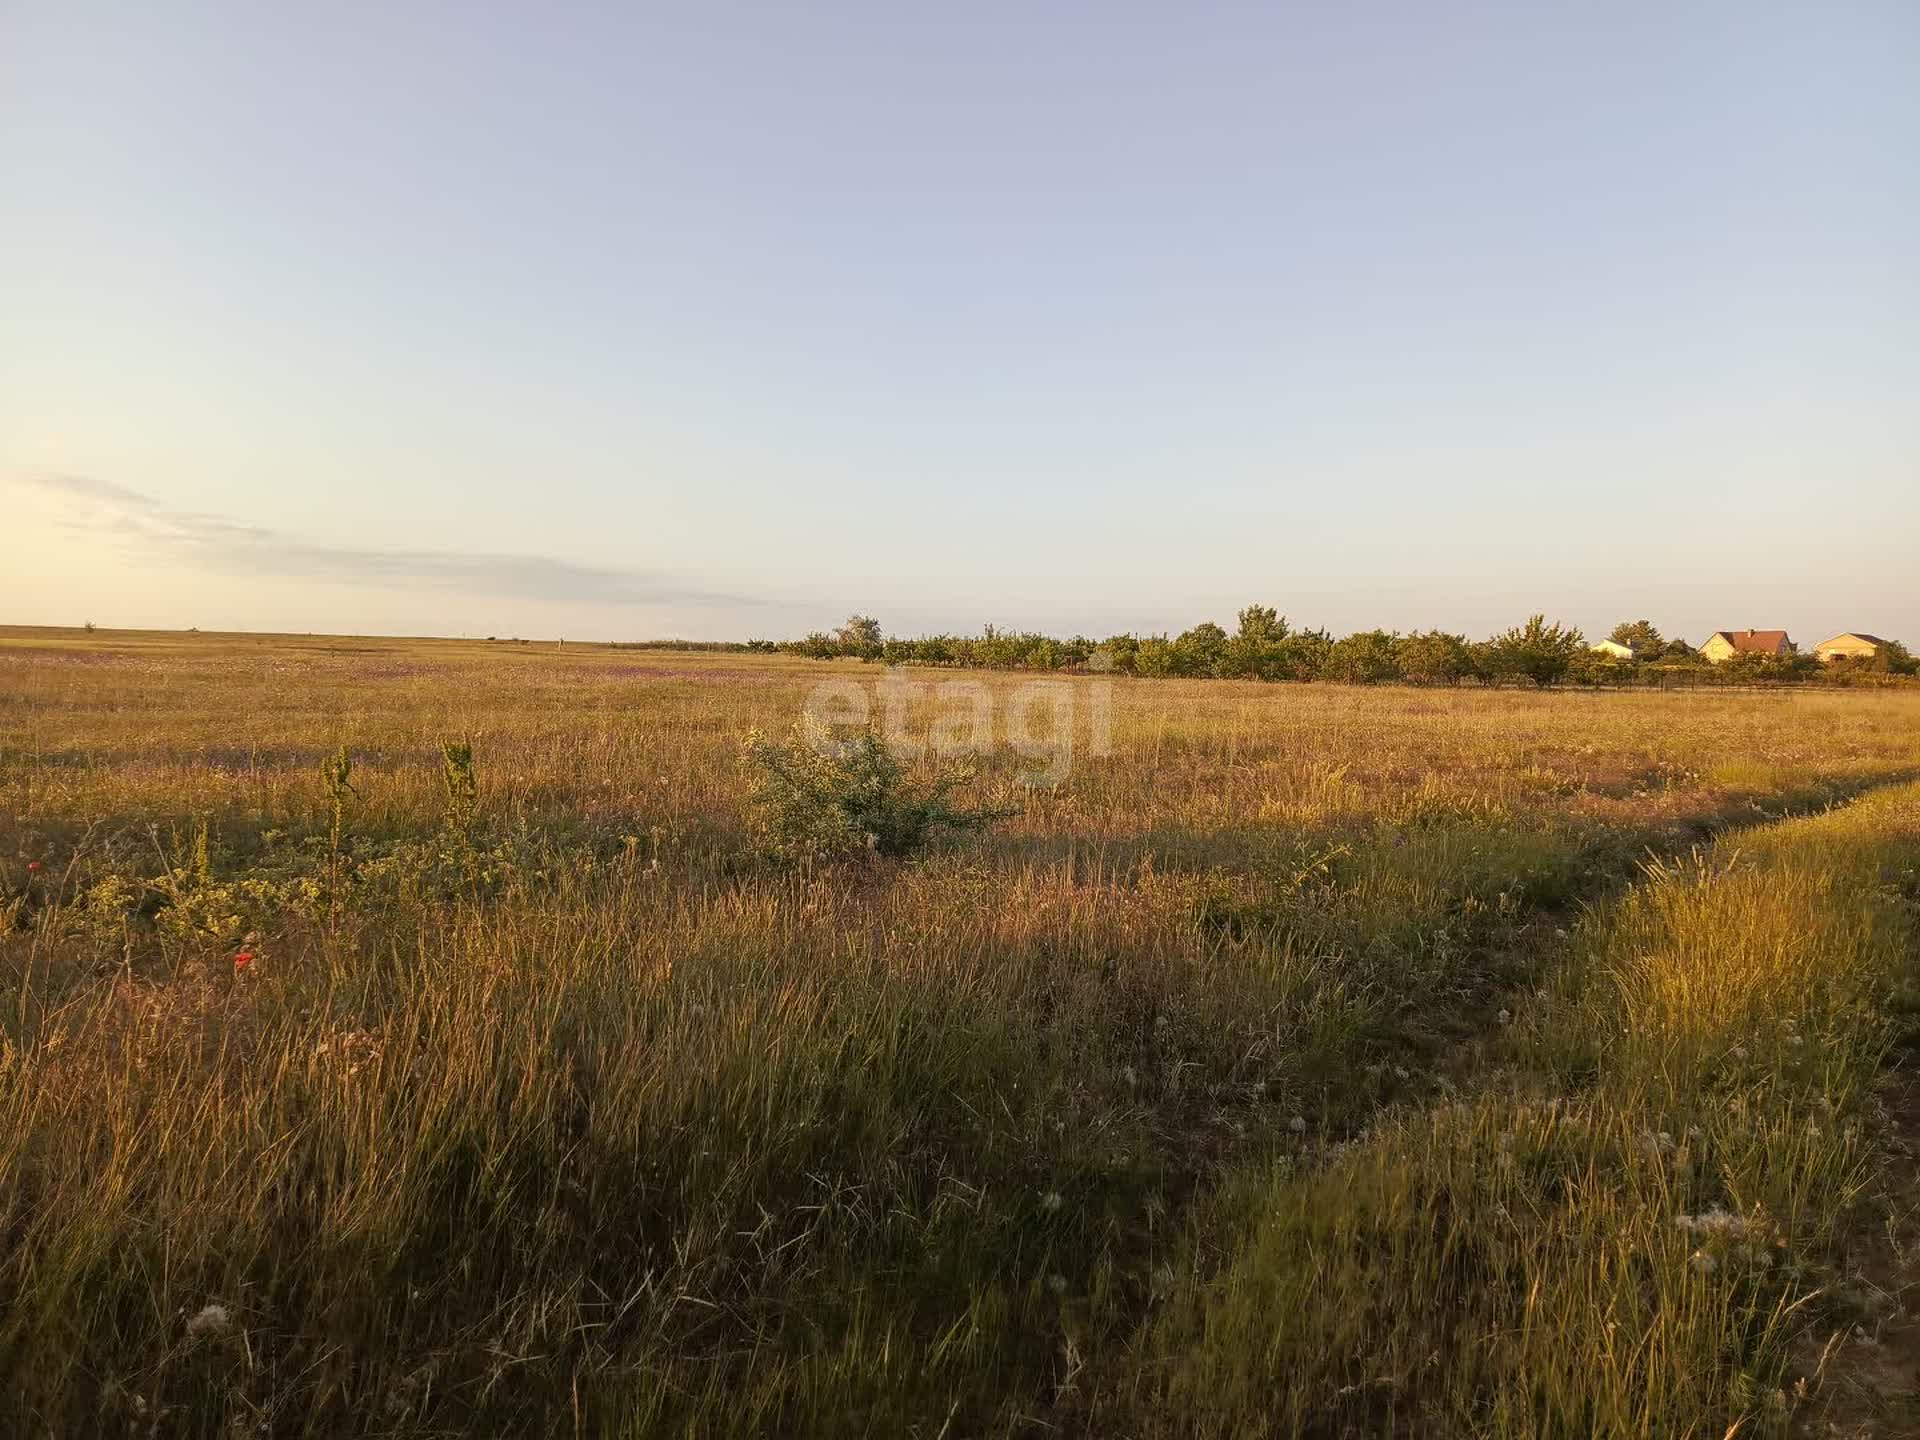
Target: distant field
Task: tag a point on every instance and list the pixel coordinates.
(1322, 1060)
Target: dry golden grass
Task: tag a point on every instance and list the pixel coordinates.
(587, 1117)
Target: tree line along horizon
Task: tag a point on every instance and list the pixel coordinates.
(1264, 646)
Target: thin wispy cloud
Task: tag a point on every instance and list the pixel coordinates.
(216, 544)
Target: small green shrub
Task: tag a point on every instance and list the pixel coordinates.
(461, 783)
(824, 800)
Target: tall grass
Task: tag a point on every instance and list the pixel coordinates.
(1631, 1227)
(545, 1104)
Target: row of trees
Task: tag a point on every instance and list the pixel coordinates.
(1263, 646)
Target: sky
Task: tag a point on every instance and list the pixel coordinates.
(721, 319)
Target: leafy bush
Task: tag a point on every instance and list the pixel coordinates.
(461, 784)
(819, 799)
(1536, 651)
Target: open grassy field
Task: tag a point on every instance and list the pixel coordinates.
(1322, 1060)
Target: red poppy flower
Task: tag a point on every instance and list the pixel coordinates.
(243, 960)
(33, 865)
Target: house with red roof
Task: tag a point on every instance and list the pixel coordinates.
(1725, 644)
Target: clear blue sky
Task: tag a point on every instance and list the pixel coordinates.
(717, 319)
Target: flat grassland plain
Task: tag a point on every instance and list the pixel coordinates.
(1322, 1061)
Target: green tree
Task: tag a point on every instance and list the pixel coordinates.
(1535, 651)
(1199, 651)
(1434, 657)
(1044, 654)
(995, 649)
(1303, 655)
(1596, 667)
(1154, 656)
(1639, 636)
(861, 636)
(1119, 652)
(1367, 657)
(1256, 649)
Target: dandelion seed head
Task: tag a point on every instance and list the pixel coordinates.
(212, 1321)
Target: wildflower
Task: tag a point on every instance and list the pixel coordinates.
(1717, 1223)
(212, 1321)
(1703, 1262)
(1057, 1284)
(1504, 1017)
(32, 866)
(243, 960)
(1051, 1202)
(1298, 1125)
